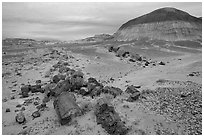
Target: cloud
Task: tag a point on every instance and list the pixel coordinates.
(66, 21)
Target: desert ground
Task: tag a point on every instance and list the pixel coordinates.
(168, 101)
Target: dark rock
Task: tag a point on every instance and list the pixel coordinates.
(191, 74)
(83, 91)
(91, 86)
(76, 83)
(13, 97)
(92, 80)
(78, 74)
(132, 60)
(38, 82)
(132, 89)
(4, 100)
(161, 63)
(23, 108)
(112, 90)
(96, 91)
(56, 79)
(147, 63)
(63, 69)
(45, 99)
(36, 88)
(109, 119)
(8, 110)
(36, 103)
(25, 89)
(66, 107)
(20, 118)
(134, 97)
(36, 114)
(62, 86)
(41, 107)
(18, 106)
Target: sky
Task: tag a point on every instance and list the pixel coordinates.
(71, 21)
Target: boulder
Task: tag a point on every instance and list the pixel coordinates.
(66, 107)
(132, 89)
(76, 83)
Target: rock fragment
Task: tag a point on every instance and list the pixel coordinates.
(36, 114)
(20, 118)
(109, 119)
(66, 107)
(8, 110)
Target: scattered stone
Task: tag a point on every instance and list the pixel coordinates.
(132, 89)
(36, 88)
(161, 63)
(38, 82)
(20, 118)
(18, 106)
(132, 60)
(78, 74)
(16, 110)
(36, 114)
(56, 79)
(13, 97)
(147, 63)
(112, 90)
(135, 96)
(8, 110)
(36, 103)
(4, 100)
(41, 107)
(25, 90)
(23, 108)
(45, 99)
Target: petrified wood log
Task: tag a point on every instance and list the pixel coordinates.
(109, 119)
(66, 107)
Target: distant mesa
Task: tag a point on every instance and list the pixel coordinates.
(163, 24)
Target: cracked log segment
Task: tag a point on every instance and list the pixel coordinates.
(110, 120)
(66, 107)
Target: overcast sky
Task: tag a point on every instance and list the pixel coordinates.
(70, 21)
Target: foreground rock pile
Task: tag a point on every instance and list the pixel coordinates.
(62, 89)
(182, 104)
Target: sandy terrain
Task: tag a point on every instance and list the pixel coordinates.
(142, 116)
